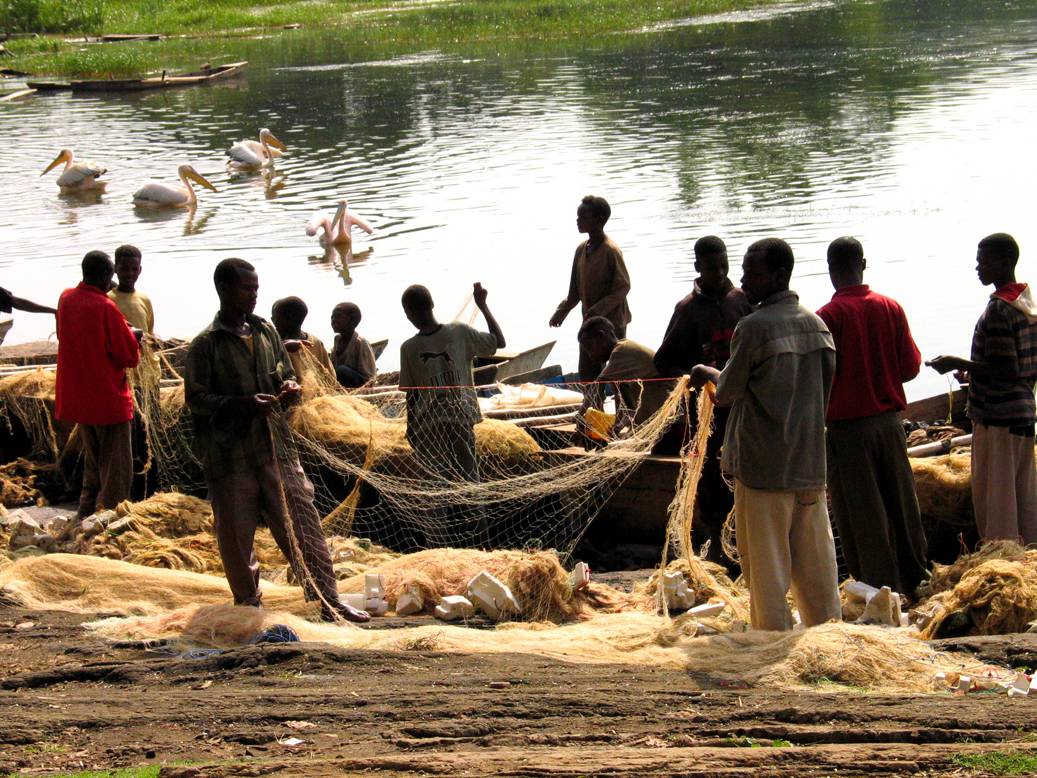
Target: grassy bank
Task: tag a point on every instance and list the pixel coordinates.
(368, 24)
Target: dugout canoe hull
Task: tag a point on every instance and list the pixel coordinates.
(204, 75)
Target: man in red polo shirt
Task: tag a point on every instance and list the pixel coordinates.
(95, 347)
(869, 478)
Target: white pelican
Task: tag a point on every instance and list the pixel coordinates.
(155, 194)
(78, 175)
(250, 154)
(337, 231)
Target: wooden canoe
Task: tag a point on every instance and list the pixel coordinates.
(504, 364)
(205, 75)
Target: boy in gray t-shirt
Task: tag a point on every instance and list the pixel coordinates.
(436, 374)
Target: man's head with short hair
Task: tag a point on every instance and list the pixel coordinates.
(127, 267)
(126, 251)
(599, 207)
(287, 316)
(418, 305)
(711, 264)
(846, 262)
(709, 244)
(345, 317)
(597, 337)
(592, 214)
(237, 284)
(996, 258)
(766, 269)
(98, 270)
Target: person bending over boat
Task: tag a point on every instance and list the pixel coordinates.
(442, 408)
(599, 281)
(288, 315)
(869, 477)
(700, 332)
(1001, 373)
(640, 393)
(351, 354)
(238, 377)
(777, 383)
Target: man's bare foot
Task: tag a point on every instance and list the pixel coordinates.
(341, 610)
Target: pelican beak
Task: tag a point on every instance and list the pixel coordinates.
(198, 178)
(57, 161)
(271, 140)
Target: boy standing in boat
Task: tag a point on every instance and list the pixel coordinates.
(136, 307)
(442, 408)
(1001, 374)
(599, 281)
(869, 478)
(777, 383)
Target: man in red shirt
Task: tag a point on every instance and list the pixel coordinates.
(95, 347)
(869, 477)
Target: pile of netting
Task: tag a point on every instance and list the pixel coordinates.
(175, 531)
(944, 487)
(990, 592)
(191, 608)
(18, 484)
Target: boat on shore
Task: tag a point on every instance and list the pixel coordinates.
(204, 75)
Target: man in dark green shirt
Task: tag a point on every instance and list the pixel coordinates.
(238, 377)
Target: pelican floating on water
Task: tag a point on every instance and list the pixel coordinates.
(251, 154)
(78, 175)
(337, 231)
(155, 194)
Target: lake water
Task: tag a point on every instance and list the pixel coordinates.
(907, 124)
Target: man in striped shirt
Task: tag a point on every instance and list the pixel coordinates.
(1001, 374)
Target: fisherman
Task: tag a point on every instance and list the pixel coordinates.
(237, 381)
(599, 281)
(700, 332)
(641, 391)
(870, 482)
(1001, 374)
(351, 354)
(95, 348)
(136, 307)
(442, 409)
(777, 383)
(288, 315)
(9, 303)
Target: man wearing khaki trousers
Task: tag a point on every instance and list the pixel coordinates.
(777, 382)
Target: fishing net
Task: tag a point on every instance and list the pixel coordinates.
(944, 487)
(27, 400)
(191, 607)
(404, 483)
(18, 484)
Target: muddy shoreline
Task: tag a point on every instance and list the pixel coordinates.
(72, 701)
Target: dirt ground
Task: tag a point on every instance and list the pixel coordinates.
(70, 701)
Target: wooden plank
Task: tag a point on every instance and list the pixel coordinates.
(937, 407)
(16, 95)
(534, 376)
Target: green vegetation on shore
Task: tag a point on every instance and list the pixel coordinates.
(402, 26)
